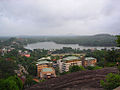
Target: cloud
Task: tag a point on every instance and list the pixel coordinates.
(58, 17)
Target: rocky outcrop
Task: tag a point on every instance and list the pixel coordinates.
(83, 80)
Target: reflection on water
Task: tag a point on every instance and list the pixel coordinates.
(52, 45)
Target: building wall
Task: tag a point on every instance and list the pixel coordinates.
(89, 62)
(47, 74)
(60, 65)
(66, 65)
(39, 68)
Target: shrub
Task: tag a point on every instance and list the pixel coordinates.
(97, 67)
(64, 73)
(76, 68)
(93, 67)
(90, 67)
(112, 81)
(110, 64)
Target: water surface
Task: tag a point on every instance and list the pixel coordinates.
(53, 45)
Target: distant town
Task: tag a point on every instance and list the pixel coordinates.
(40, 65)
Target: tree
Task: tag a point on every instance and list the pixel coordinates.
(118, 40)
(11, 83)
(18, 81)
(112, 81)
(7, 68)
(76, 68)
(29, 81)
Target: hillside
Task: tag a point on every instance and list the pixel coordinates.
(84, 80)
(94, 40)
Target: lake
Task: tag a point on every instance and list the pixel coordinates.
(53, 45)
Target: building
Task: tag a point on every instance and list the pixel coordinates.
(45, 58)
(44, 69)
(25, 53)
(89, 61)
(65, 63)
(47, 73)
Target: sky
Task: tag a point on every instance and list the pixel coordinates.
(59, 17)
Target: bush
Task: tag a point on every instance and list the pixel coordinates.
(76, 68)
(112, 81)
(29, 81)
(90, 67)
(64, 73)
(93, 67)
(82, 68)
(97, 67)
(110, 64)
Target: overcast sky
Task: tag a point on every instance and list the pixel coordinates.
(59, 17)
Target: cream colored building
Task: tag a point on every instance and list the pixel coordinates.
(65, 63)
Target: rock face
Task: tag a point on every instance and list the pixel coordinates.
(83, 80)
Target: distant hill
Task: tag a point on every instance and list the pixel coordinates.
(102, 35)
(95, 40)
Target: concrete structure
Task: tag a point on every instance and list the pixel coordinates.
(47, 73)
(89, 61)
(65, 63)
(44, 69)
(45, 58)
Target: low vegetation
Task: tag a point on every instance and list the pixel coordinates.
(112, 81)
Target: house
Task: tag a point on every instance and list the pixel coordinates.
(25, 53)
(89, 61)
(65, 63)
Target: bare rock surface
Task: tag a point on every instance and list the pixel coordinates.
(82, 80)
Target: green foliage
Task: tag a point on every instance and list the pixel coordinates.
(118, 68)
(105, 57)
(97, 67)
(112, 81)
(93, 67)
(7, 68)
(90, 67)
(96, 40)
(64, 73)
(101, 62)
(11, 83)
(82, 68)
(29, 81)
(18, 81)
(76, 68)
(112, 55)
(32, 70)
(110, 64)
(118, 40)
(42, 80)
